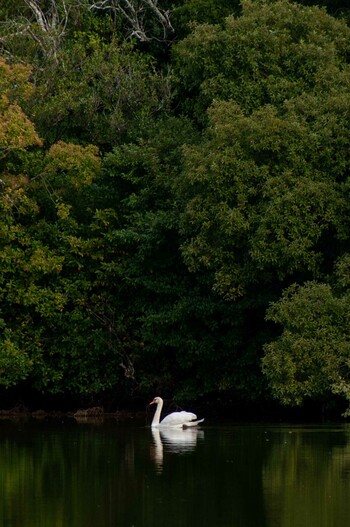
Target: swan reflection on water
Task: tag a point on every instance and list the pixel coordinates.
(173, 440)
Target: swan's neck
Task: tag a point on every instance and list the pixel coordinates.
(156, 417)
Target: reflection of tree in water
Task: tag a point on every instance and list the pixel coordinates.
(245, 476)
(307, 477)
(86, 475)
(68, 475)
(217, 484)
(235, 475)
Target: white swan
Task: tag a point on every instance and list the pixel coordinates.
(174, 420)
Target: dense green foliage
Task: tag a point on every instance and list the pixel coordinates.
(174, 200)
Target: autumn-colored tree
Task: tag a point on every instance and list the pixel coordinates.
(17, 132)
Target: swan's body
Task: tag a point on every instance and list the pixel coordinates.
(174, 420)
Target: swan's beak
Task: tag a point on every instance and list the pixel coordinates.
(153, 402)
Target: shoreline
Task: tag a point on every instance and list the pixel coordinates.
(93, 414)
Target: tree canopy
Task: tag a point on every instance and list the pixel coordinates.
(174, 199)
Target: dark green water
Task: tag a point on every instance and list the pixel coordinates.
(65, 474)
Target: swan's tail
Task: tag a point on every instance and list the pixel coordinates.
(192, 423)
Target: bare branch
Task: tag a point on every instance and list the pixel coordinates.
(14, 31)
(133, 11)
(46, 27)
(39, 15)
(163, 16)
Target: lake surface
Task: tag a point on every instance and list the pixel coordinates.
(69, 474)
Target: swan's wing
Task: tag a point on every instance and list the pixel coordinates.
(178, 418)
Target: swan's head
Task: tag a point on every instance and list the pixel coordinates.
(156, 400)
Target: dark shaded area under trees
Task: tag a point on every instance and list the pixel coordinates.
(174, 204)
